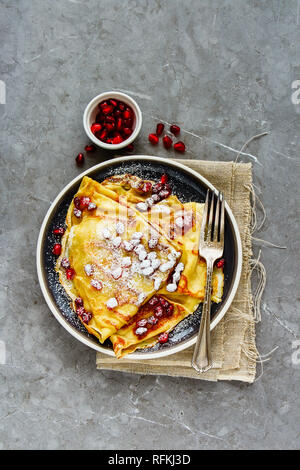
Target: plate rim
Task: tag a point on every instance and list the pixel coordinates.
(85, 340)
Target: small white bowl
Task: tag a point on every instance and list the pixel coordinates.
(92, 110)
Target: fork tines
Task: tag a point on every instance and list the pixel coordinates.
(213, 218)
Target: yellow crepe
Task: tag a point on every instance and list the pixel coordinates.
(176, 229)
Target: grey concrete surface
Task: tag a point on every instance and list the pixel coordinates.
(224, 72)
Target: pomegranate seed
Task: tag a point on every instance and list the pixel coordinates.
(163, 302)
(107, 110)
(84, 202)
(141, 323)
(163, 338)
(128, 122)
(119, 125)
(153, 139)
(220, 263)
(102, 105)
(110, 126)
(170, 310)
(86, 317)
(117, 140)
(159, 128)
(165, 193)
(147, 186)
(113, 103)
(127, 113)
(77, 213)
(70, 273)
(110, 119)
(56, 249)
(59, 231)
(127, 131)
(103, 135)
(117, 113)
(174, 129)
(90, 148)
(80, 159)
(99, 118)
(108, 141)
(96, 127)
(79, 302)
(167, 141)
(121, 105)
(129, 148)
(77, 202)
(157, 188)
(65, 263)
(80, 311)
(155, 198)
(152, 320)
(158, 311)
(179, 147)
(164, 178)
(153, 301)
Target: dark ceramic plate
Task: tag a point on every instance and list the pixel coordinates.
(188, 186)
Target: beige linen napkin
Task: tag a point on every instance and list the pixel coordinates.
(233, 339)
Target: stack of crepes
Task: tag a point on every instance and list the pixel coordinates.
(129, 254)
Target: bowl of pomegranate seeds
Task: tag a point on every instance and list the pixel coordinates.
(112, 120)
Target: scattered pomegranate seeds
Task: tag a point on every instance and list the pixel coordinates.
(220, 263)
(65, 263)
(96, 127)
(86, 317)
(56, 249)
(163, 338)
(179, 147)
(113, 103)
(79, 302)
(170, 310)
(80, 311)
(164, 178)
(77, 213)
(80, 159)
(59, 231)
(153, 139)
(159, 128)
(84, 202)
(167, 141)
(157, 187)
(158, 311)
(146, 187)
(153, 301)
(77, 202)
(163, 302)
(90, 148)
(174, 129)
(70, 273)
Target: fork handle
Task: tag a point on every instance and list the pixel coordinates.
(202, 353)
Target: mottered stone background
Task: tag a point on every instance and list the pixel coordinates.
(224, 72)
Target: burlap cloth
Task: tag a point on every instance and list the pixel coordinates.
(233, 339)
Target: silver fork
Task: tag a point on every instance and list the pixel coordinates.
(211, 248)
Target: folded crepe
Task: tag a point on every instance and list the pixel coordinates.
(131, 265)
